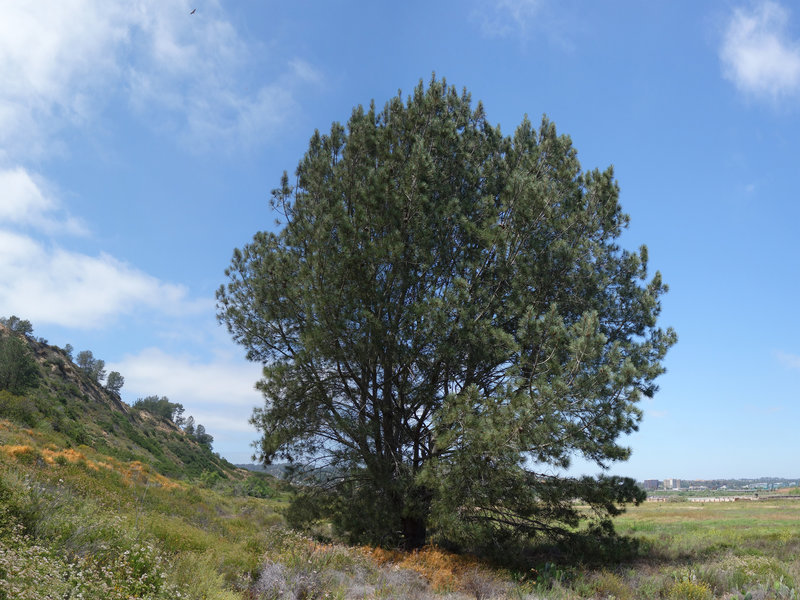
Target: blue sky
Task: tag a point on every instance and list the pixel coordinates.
(139, 143)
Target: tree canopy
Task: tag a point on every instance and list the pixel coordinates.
(18, 369)
(114, 382)
(161, 407)
(93, 367)
(17, 325)
(203, 437)
(445, 318)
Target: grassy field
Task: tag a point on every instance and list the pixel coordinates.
(77, 523)
(698, 551)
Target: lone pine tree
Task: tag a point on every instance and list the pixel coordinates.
(445, 318)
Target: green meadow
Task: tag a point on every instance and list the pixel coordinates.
(745, 549)
(75, 523)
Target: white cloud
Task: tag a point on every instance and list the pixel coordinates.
(52, 285)
(220, 394)
(788, 360)
(305, 71)
(195, 69)
(501, 18)
(231, 426)
(188, 379)
(60, 62)
(53, 55)
(23, 202)
(758, 54)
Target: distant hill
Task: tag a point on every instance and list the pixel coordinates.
(65, 400)
(276, 470)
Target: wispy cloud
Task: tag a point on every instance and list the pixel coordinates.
(53, 285)
(61, 65)
(25, 202)
(502, 18)
(195, 71)
(204, 382)
(203, 387)
(185, 74)
(788, 360)
(758, 53)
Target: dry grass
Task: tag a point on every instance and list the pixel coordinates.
(210, 545)
(134, 472)
(444, 570)
(67, 454)
(17, 450)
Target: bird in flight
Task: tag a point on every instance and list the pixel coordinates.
(194, 10)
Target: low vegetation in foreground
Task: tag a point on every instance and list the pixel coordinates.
(99, 501)
(79, 524)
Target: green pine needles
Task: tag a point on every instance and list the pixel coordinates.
(445, 318)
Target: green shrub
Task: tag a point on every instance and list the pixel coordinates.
(198, 575)
(18, 369)
(608, 584)
(18, 409)
(688, 589)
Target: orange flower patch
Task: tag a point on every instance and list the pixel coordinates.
(444, 570)
(17, 450)
(138, 472)
(71, 455)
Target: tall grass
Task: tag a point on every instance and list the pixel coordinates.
(76, 523)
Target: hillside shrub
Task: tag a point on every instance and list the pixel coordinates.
(688, 589)
(197, 575)
(611, 585)
(13, 503)
(33, 571)
(17, 408)
(18, 369)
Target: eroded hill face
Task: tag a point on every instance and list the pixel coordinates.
(69, 409)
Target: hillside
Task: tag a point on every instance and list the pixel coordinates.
(101, 501)
(66, 400)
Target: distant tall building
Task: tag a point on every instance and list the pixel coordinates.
(672, 484)
(651, 484)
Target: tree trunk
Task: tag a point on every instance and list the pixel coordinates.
(414, 532)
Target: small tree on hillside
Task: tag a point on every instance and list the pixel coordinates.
(189, 425)
(203, 438)
(445, 319)
(93, 367)
(161, 407)
(17, 325)
(177, 414)
(18, 369)
(115, 382)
